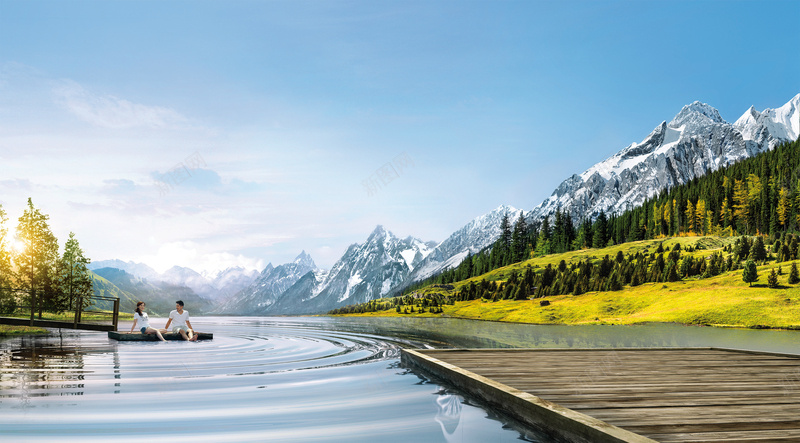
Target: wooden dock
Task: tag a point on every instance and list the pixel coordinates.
(138, 336)
(632, 395)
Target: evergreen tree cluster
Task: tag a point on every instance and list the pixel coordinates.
(35, 274)
(408, 304)
(758, 195)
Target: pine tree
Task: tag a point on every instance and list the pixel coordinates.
(76, 282)
(583, 238)
(519, 239)
(725, 214)
(690, 217)
(8, 301)
(657, 219)
(750, 273)
(671, 274)
(711, 269)
(503, 243)
(758, 252)
(686, 266)
(784, 208)
(701, 218)
(600, 234)
(38, 260)
(740, 208)
(794, 276)
(521, 292)
(772, 279)
(543, 246)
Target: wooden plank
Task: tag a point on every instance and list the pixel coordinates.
(680, 394)
(125, 336)
(543, 415)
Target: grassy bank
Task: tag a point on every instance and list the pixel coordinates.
(13, 330)
(723, 300)
(10, 331)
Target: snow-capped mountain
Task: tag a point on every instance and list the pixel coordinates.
(470, 239)
(365, 272)
(772, 126)
(695, 142)
(261, 293)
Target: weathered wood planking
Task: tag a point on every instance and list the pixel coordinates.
(661, 394)
(125, 336)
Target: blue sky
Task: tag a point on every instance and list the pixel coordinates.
(211, 134)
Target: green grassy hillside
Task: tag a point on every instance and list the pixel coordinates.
(722, 300)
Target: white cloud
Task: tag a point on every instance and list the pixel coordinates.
(113, 112)
(193, 255)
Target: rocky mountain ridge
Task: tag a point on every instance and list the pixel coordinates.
(696, 141)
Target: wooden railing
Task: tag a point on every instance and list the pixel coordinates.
(94, 313)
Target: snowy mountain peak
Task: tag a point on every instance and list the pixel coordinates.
(505, 208)
(266, 288)
(366, 271)
(379, 232)
(771, 125)
(696, 115)
(305, 259)
(694, 143)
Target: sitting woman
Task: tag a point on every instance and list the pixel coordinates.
(139, 316)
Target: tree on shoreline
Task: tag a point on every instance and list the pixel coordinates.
(38, 259)
(7, 300)
(51, 283)
(75, 280)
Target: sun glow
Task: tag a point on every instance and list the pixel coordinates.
(17, 247)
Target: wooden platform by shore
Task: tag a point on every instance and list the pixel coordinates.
(137, 336)
(632, 395)
(14, 321)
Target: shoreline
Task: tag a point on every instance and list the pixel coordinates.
(639, 323)
(9, 331)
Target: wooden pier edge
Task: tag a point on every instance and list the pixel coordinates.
(56, 324)
(556, 420)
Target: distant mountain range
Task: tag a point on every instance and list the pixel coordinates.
(366, 271)
(261, 294)
(696, 141)
(133, 282)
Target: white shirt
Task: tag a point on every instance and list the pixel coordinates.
(142, 320)
(178, 319)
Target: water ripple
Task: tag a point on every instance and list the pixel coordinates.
(258, 380)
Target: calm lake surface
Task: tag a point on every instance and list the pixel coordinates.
(288, 379)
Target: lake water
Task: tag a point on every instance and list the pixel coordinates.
(288, 379)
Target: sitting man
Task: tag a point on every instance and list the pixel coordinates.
(182, 323)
